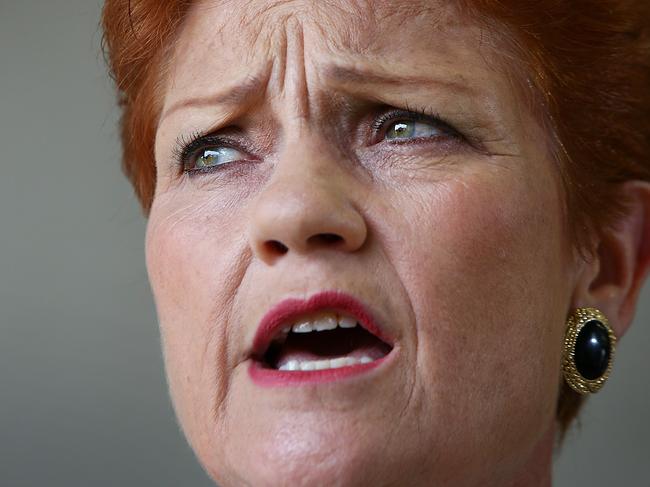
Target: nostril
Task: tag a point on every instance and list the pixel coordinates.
(325, 238)
(276, 248)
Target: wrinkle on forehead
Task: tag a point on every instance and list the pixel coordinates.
(225, 41)
(348, 25)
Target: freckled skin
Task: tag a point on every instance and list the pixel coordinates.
(461, 252)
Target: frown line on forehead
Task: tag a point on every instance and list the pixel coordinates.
(344, 78)
(363, 19)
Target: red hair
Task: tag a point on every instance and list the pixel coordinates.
(583, 64)
(137, 41)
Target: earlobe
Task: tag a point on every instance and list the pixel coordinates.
(613, 276)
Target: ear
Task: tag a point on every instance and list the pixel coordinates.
(612, 279)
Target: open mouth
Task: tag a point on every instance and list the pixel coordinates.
(327, 337)
(321, 341)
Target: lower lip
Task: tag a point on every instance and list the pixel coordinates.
(265, 377)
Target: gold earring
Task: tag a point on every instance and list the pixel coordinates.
(588, 350)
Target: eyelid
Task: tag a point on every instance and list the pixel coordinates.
(416, 115)
(187, 148)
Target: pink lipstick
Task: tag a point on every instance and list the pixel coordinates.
(325, 338)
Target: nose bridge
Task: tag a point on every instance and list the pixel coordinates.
(308, 157)
(306, 205)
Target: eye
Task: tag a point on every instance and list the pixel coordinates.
(213, 156)
(406, 126)
(206, 153)
(411, 129)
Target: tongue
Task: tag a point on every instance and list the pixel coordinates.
(355, 343)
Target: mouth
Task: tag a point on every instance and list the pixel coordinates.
(327, 337)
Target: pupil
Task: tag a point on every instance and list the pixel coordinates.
(401, 129)
(208, 158)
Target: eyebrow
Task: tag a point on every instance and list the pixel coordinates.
(238, 94)
(336, 75)
(344, 75)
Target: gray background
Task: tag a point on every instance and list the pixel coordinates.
(84, 401)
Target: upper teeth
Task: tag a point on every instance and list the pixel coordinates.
(323, 322)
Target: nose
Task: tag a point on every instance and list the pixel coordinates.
(305, 206)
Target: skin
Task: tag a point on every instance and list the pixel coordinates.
(458, 245)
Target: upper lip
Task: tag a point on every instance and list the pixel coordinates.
(289, 309)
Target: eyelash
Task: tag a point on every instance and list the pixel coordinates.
(413, 115)
(187, 147)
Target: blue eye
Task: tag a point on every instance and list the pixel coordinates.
(412, 129)
(216, 156)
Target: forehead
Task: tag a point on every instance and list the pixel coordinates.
(353, 25)
(234, 37)
(246, 32)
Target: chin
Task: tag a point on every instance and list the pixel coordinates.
(300, 460)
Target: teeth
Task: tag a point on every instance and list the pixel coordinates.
(338, 362)
(291, 365)
(302, 327)
(347, 322)
(307, 365)
(335, 363)
(325, 322)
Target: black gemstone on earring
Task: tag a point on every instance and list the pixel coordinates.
(592, 350)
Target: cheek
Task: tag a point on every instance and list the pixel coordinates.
(486, 279)
(193, 266)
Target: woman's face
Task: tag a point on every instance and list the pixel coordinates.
(374, 151)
